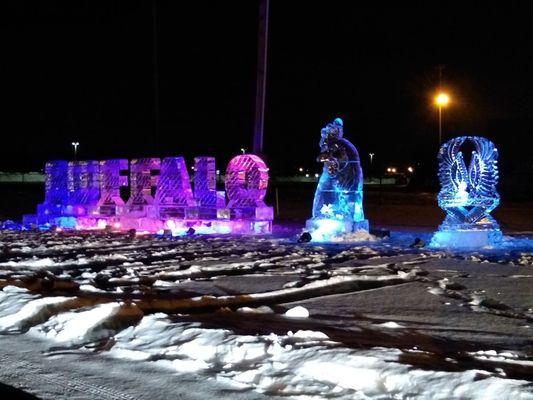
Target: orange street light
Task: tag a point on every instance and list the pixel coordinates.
(441, 100)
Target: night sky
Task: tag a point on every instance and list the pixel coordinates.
(84, 71)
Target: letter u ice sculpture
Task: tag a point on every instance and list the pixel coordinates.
(468, 194)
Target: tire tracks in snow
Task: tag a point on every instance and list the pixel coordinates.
(27, 376)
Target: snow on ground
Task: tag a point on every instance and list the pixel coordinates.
(31, 312)
(232, 311)
(304, 363)
(84, 326)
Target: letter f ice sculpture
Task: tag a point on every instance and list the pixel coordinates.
(468, 194)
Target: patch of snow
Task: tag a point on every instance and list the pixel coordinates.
(77, 326)
(163, 284)
(297, 312)
(33, 262)
(301, 364)
(258, 310)
(390, 325)
(91, 288)
(30, 311)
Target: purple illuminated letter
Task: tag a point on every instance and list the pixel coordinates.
(111, 181)
(174, 191)
(143, 175)
(246, 181)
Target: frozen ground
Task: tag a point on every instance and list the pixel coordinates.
(95, 315)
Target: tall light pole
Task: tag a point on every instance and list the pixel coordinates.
(441, 101)
(260, 89)
(75, 145)
(156, 76)
(371, 158)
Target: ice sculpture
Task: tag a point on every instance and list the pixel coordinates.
(83, 187)
(56, 191)
(205, 188)
(468, 194)
(112, 178)
(174, 196)
(87, 195)
(338, 202)
(246, 185)
(143, 176)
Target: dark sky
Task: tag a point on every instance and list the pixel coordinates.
(85, 71)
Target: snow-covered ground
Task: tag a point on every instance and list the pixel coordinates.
(266, 315)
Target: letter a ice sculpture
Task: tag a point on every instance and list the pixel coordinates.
(468, 194)
(338, 203)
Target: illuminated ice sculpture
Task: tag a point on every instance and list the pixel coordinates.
(338, 202)
(55, 191)
(468, 194)
(113, 176)
(86, 195)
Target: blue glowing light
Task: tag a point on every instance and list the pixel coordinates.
(338, 202)
(468, 194)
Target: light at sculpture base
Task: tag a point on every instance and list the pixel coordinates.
(468, 195)
(326, 230)
(466, 239)
(338, 202)
(177, 227)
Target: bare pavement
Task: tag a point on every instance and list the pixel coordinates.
(103, 315)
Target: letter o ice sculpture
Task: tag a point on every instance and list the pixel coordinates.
(468, 195)
(246, 186)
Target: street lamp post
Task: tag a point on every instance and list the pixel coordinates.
(75, 145)
(441, 100)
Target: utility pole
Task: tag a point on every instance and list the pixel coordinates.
(440, 67)
(442, 101)
(260, 89)
(156, 77)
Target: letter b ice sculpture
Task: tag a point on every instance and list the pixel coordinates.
(468, 194)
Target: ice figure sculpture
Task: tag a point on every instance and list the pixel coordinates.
(111, 180)
(246, 186)
(468, 194)
(338, 202)
(56, 191)
(143, 176)
(174, 196)
(83, 187)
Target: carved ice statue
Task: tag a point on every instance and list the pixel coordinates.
(338, 202)
(468, 194)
